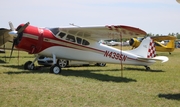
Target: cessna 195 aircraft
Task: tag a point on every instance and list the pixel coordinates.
(81, 43)
(169, 47)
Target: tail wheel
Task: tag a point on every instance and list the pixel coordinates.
(62, 63)
(56, 69)
(27, 65)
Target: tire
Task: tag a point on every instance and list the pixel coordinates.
(62, 63)
(101, 64)
(27, 65)
(56, 69)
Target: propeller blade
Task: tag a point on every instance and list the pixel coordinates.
(22, 28)
(11, 26)
(12, 50)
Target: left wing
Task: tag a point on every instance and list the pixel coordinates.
(105, 32)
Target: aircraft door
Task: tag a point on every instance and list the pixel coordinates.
(40, 39)
(36, 48)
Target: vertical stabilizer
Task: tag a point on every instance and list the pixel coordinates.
(146, 49)
(151, 50)
(170, 44)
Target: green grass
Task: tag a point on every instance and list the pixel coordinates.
(90, 86)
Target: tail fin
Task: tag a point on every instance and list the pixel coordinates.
(151, 49)
(146, 49)
(170, 44)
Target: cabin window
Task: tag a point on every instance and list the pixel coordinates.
(79, 40)
(85, 42)
(156, 44)
(61, 34)
(70, 38)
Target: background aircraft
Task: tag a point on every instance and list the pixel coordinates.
(178, 1)
(4, 39)
(162, 47)
(81, 43)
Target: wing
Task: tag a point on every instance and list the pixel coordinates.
(105, 32)
(160, 38)
(4, 36)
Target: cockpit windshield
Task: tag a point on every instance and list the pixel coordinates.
(69, 37)
(54, 30)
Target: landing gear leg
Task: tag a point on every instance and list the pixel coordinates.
(147, 68)
(30, 65)
(55, 68)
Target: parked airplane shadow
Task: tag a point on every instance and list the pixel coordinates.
(92, 74)
(142, 69)
(170, 96)
(77, 73)
(2, 61)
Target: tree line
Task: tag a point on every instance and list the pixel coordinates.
(177, 35)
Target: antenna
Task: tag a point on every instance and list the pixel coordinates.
(72, 24)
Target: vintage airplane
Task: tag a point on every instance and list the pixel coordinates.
(169, 47)
(81, 43)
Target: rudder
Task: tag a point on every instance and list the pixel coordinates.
(146, 49)
(151, 50)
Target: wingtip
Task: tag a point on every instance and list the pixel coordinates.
(161, 58)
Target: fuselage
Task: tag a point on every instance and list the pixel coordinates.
(48, 42)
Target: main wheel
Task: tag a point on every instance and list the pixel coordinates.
(62, 63)
(27, 65)
(101, 64)
(56, 69)
(147, 68)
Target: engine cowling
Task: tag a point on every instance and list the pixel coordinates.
(134, 42)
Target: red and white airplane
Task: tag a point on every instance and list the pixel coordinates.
(81, 43)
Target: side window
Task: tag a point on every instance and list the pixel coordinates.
(61, 34)
(79, 40)
(70, 38)
(85, 42)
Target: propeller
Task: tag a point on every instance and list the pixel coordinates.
(17, 34)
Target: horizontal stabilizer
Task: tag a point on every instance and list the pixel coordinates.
(157, 58)
(161, 58)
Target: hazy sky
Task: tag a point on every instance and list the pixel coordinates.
(153, 16)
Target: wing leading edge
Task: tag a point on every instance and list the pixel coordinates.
(105, 32)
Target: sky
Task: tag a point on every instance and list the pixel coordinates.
(152, 16)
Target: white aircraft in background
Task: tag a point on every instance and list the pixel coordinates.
(81, 43)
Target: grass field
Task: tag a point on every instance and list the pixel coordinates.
(90, 86)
